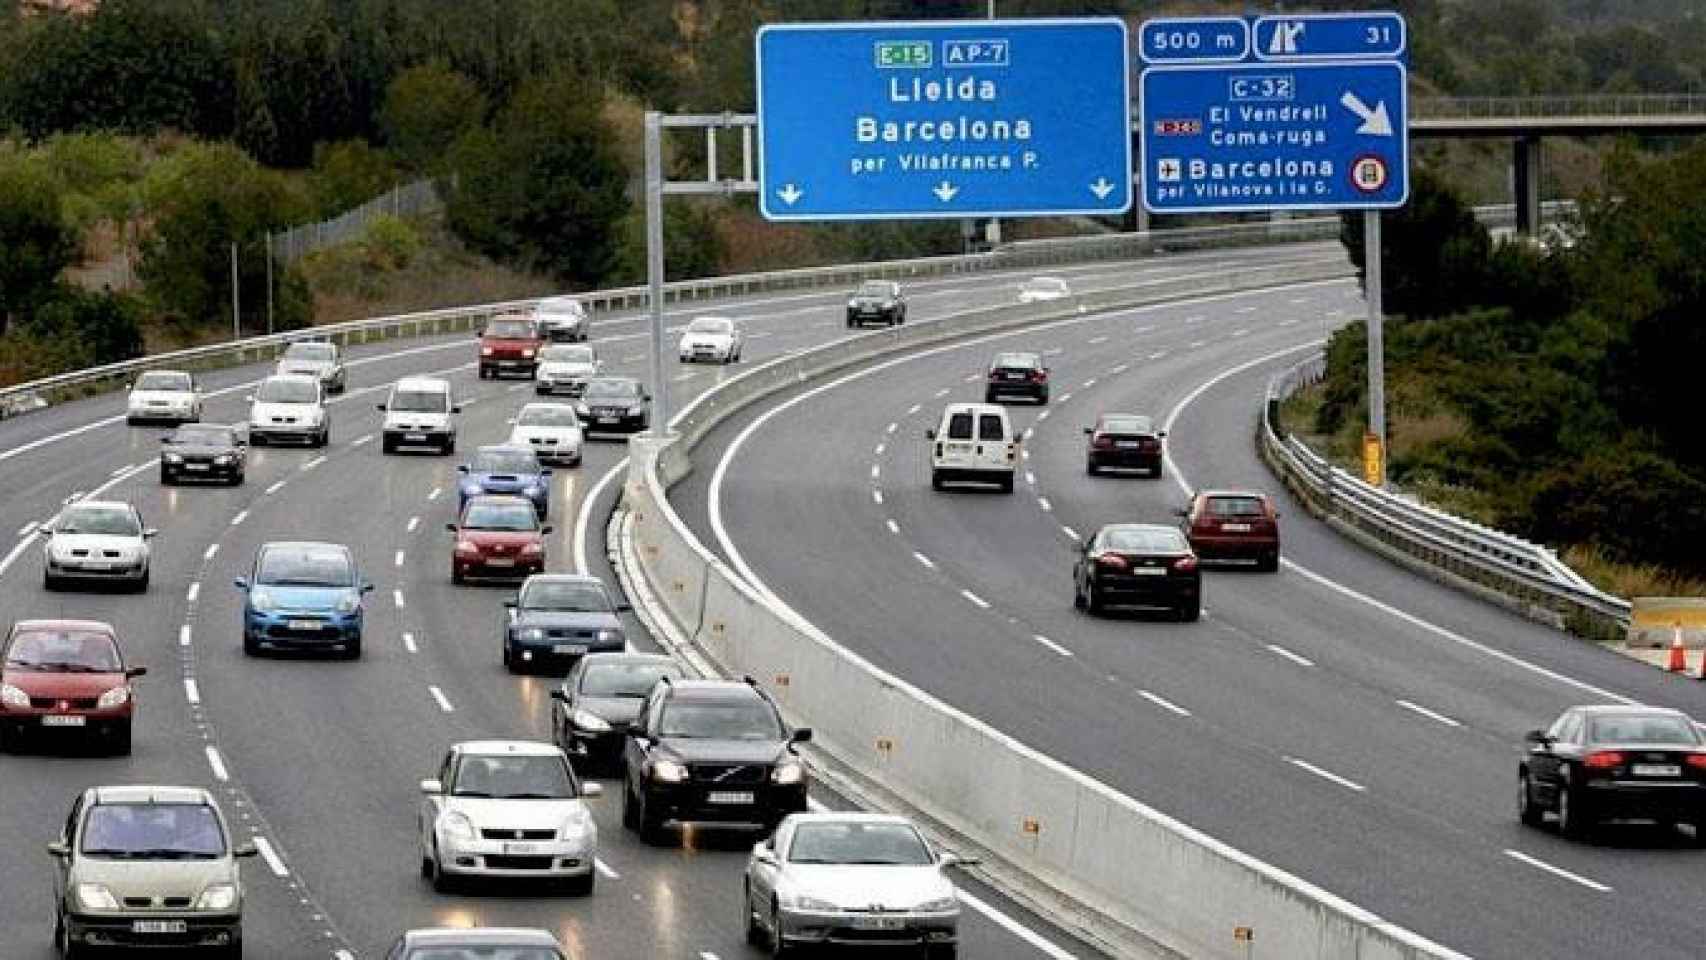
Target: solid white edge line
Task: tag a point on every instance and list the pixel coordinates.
(1326, 774)
(1430, 714)
(191, 692)
(27, 529)
(975, 599)
(16, 552)
(217, 762)
(583, 517)
(274, 863)
(1163, 703)
(1014, 927)
(1558, 871)
(1296, 658)
(443, 701)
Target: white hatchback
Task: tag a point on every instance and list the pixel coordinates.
(289, 407)
(712, 338)
(169, 395)
(95, 540)
(552, 430)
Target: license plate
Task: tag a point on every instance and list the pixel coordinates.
(500, 562)
(1235, 528)
(1012, 376)
(608, 419)
(95, 565)
(1129, 444)
(159, 926)
(63, 720)
(415, 437)
(304, 624)
(521, 849)
(729, 796)
(506, 363)
(568, 649)
(878, 923)
(1657, 770)
(197, 467)
(1148, 571)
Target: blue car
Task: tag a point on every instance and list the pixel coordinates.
(505, 469)
(303, 596)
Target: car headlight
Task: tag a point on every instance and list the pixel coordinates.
(590, 722)
(938, 905)
(95, 896)
(485, 351)
(349, 603)
(13, 696)
(260, 600)
(789, 772)
(217, 896)
(669, 771)
(116, 697)
(457, 826)
(174, 458)
(527, 353)
(581, 410)
(636, 409)
(532, 549)
(852, 303)
(815, 904)
(222, 459)
(466, 546)
(532, 633)
(576, 825)
(610, 636)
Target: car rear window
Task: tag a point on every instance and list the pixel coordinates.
(989, 427)
(202, 433)
(613, 389)
(631, 680)
(417, 401)
(1637, 728)
(1236, 507)
(711, 325)
(505, 515)
(479, 951)
(1127, 425)
(959, 426)
(162, 380)
(565, 595)
(720, 720)
(1017, 361)
(1160, 540)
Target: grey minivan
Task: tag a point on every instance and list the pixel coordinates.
(150, 867)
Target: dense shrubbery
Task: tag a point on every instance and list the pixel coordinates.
(1576, 372)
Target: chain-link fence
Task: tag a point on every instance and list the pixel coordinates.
(404, 200)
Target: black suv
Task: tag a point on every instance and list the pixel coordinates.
(878, 300)
(710, 751)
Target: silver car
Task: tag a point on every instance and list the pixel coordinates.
(318, 359)
(168, 395)
(562, 318)
(476, 943)
(566, 369)
(96, 540)
(147, 866)
(860, 879)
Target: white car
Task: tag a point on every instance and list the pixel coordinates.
(1043, 288)
(711, 338)
(973, 442)
(507, 808)
(562, 318)
(552, 430)
(860, 879)
(96, 540)
(566, 369)
(169, 395)
(419, 412)
(289, 408)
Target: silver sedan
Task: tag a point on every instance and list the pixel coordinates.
(861, 879)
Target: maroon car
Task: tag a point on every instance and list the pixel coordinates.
(510, 343)
(1126, 441)
(66, 676)
(1234, 525)
(498, 537)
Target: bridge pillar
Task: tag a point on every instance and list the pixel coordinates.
(1525, 166)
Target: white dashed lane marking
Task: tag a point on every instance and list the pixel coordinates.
(443, 701)
(1296, 658)
(913, 409)
(358, 441)
(924, 560)
(276, 487)
(397, 598)
(942, 392)
(975, 599)
(398, 559)
(1430, 714)
(1327, 775)
(194, 591)
(192, 693)
(892, 428)
(212, 549)
(414, 524)
(240, 517)
(1095, 340)
(893, 526)
(1050, 644)
(1043, 502)
(1194, 344)
(1164, 703)
(409, 643)
(184, 635)
(1073, 534)
(1158, 355)
(876, 471)
(1557, 871)
(311, 464)
(435, 493)
(877, 497)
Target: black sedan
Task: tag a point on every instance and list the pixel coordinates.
(560, 616)
(599, 700)
(1138, 564)
(878, 301)
(614, 405)
(204, 451)
(1614, 763)
(1125, 441)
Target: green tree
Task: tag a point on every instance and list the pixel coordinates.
(349, 173)
(105, 327)
(427, 109)
(35, 243)
(1434, 253)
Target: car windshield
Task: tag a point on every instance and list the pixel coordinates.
(207, 435)
(480, 951)
(710, 325)
(547, 415)
(1022, 361)
(631, 680)
(163, 380)
(153, 831)
(510, 330)
(80, 651)
(513, 777)
(507, 515)
(311, 352)
(505, 461)
(1127, 425)
(306, 567)
(613, 389)
(720, 720)
(873, 288)
(569, 596)
(1144, 540)
(567, 354)
(282, 390)
(418, 401)
(1642, 728)
(1235, 506)
(100, 521)
(853, 842)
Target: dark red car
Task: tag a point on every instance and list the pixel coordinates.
(66, 676)
(510, 343)
(1234, 525)
(498, 537)
(1125, 441)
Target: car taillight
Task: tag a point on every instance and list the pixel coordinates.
(1696, 760)
(1603, 760)
(1038, 376)
(1184, 564)
(1112, 561)
(1101, 441)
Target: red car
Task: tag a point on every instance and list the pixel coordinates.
(66, 675)
(498, 537)
(510, 343)
(1234, 525)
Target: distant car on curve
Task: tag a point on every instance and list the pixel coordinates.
(1126, 441)
(510, 343)
(551, 430)
(97, 541)
(303, 596)
(562, 319)
(498, 536)
(1016, 374)
(1234, 525)
(66, 677)
(1039, 289)
(289, 408)
(973, 442)
(204, 451)
(560, 617)
(600, 699)
(505, 468)
(1598, 763)
(419, 411)
(614, 405)
(1138, 564)
(565, 369)
(476, 943)
(879, 301)
(320, 359)
(711, 338)
(169, 395)
(507, 808)
(851, 879)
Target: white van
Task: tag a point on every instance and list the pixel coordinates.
(418, 413)
(975, 442)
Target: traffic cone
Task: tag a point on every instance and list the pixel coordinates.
(1678, 659)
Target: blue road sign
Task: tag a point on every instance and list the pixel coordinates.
(1275, 136)
(1329, 36)
(1010, 118)
(1194, 39)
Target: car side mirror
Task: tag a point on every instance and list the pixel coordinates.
(764, 855)
(462, 468)
(456, 408)
(1181, 512)
(245, 850)
(451, 527)
(431, 788)
(166, 439)
(150, 533)
(1538, 737)
(801, 735)
(592, 791)
(560, 695)
(645, 396)
(547, 528)
(510, 421)
(367, 588)
(136, 672)
(952, 859)
(511, 601)
(59, 848)
(379, 406)
(241, 583)
(623, 606)
(1162, 434)
(545, 471)
(1089, 430)
(930, 433)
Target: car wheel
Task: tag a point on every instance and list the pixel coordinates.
(352, 649)
(1527, 811)
(1191, 612)
(325, 437)
(650, 825)
(989, 396)
(630, 807)
(450, 446)
(509, 660)
(935, 479)
(779, 947)
(1007, 484)
(1092, 600)
(1091, 468)
(1270, 562)
(441, 882)
(121, 738)
(68, 949)
(387, 445)
(582, 886)
(141, 585)
(1077, 593)
(1573, 818)
(49, 581)
(234, 949)
(942, 951)
(251, 646)
(754, 932)
(456, 577)
(237, 479)
(1042, 398)
(165, 479)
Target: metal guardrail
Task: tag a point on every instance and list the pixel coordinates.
(1526, 572)
(1586, 105)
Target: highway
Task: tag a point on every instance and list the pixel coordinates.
(1344, 719)
(320, 759)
